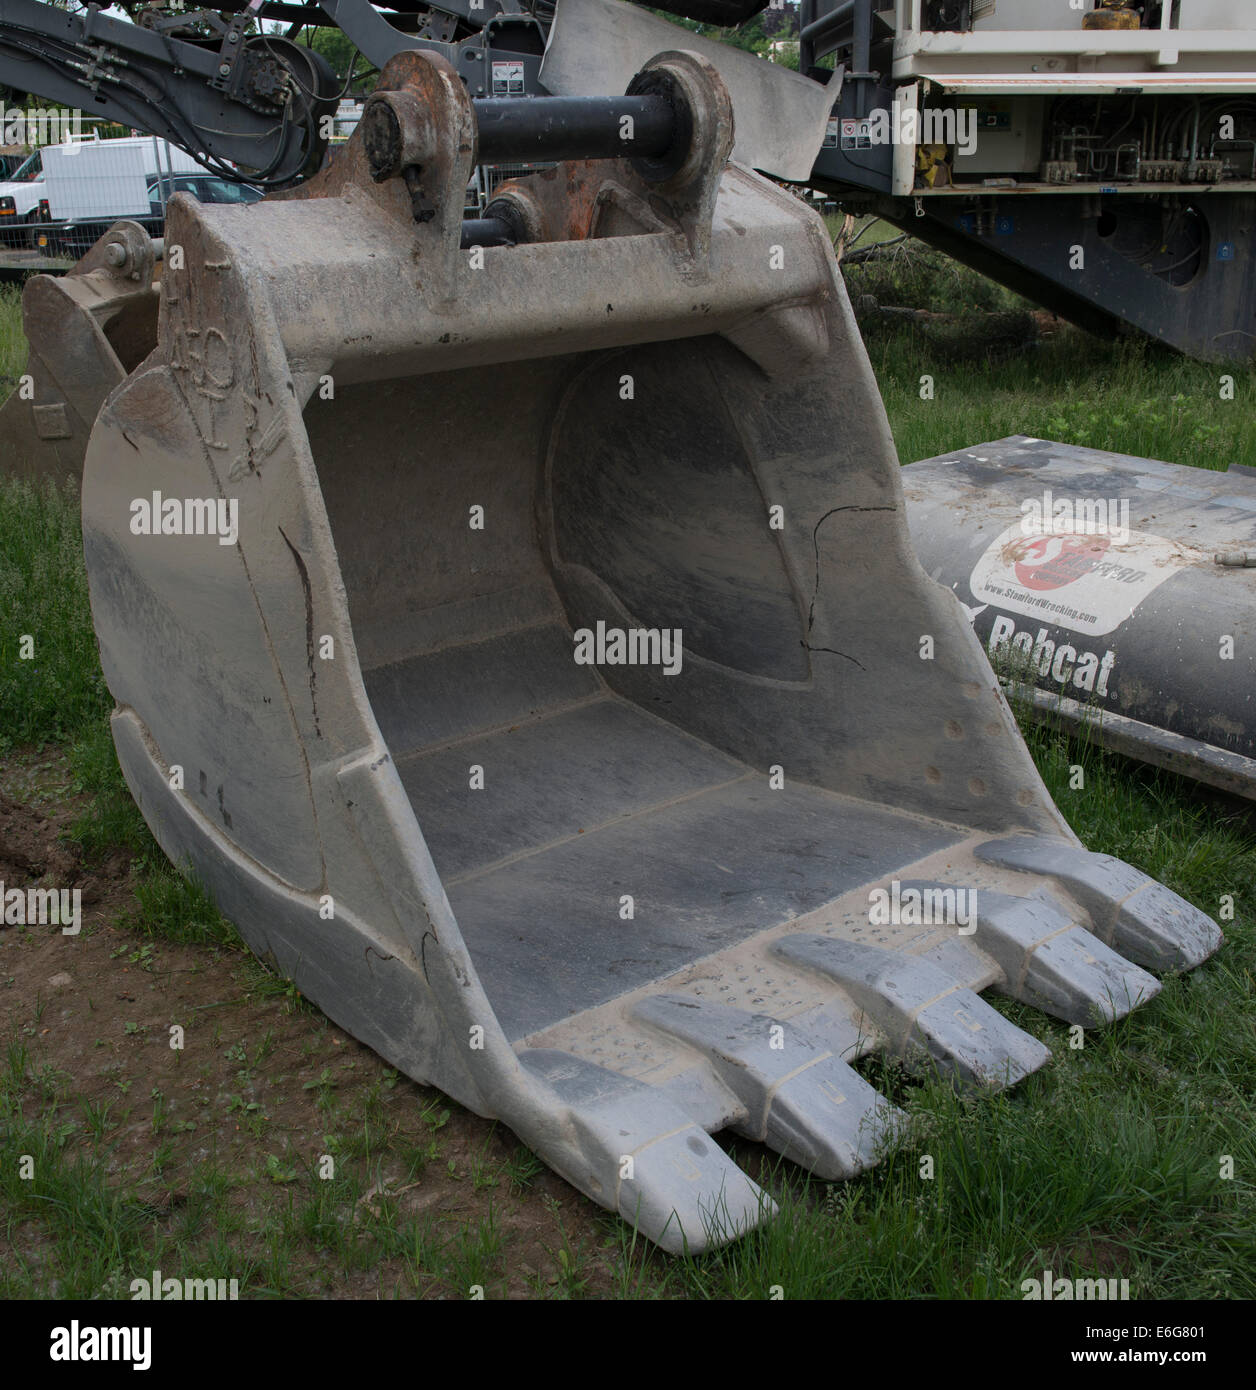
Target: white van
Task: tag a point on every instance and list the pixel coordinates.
(20, 194)
(91, 178)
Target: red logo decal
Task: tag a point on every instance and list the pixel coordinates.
(1050, 562)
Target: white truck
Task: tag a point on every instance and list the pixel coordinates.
(88, 181)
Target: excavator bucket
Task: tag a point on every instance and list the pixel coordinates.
(523, 643)
(86, 330)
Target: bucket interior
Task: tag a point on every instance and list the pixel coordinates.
(467, 651)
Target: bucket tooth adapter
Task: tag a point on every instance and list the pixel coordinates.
(514, 625)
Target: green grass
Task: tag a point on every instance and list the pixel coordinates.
(110, 820)
(75, 1231)
(1107, 1163)
(988, 381)
(12, 339)
(177, 907)
(1130, 398)
(51, 686)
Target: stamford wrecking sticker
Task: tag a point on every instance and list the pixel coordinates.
(1086, 583)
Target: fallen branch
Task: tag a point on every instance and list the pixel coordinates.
(873, 253)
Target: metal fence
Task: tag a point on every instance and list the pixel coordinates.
(33, 240)
(492, 176)
(38, 242)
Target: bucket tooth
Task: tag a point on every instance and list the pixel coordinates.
(1049, 961)
(1139, 917)
(801, 1100)
(643, 1157)
(921, 1010)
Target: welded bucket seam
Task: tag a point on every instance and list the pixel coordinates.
(510, 859)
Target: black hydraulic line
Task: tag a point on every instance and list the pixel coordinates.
(806, 48)
(153, 82)
(487, 231)
(530, 129)
(842, 17)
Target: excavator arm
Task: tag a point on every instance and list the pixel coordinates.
(226, 96)
(213, 83)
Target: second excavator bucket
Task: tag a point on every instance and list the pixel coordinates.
(85, 330)
(523, 643)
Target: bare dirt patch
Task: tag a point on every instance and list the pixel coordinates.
(225, 1140)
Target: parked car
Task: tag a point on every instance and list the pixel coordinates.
(10, 164)
(73, 239)
(205, 188)
(64, 196)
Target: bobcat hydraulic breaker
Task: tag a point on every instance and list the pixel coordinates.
(515, 626)
(1121, 590)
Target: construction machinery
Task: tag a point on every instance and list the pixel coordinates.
(261, 109)
(513, 619)
(514, 624)
(1096, 156)
(1099, 158)
(1119, 592)
(85, 331)
(1102, 166)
